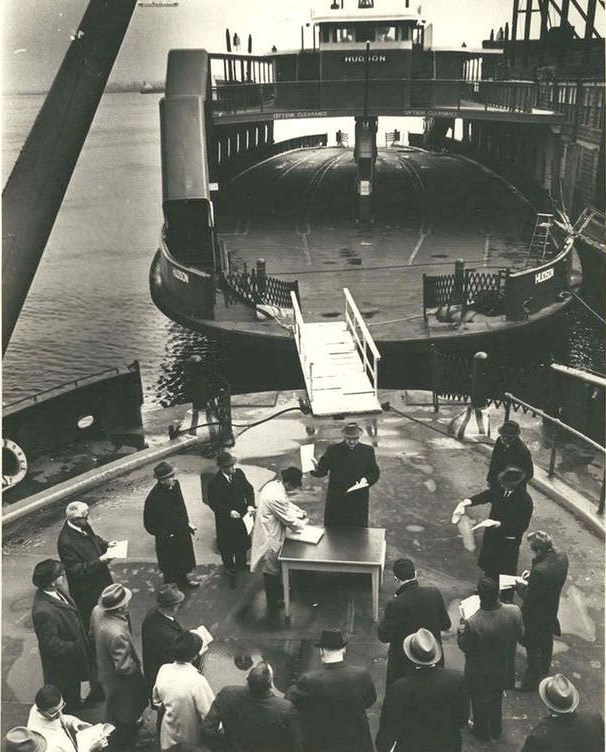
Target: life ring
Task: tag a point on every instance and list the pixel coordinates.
(14, 466)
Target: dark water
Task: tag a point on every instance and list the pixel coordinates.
(89, 307)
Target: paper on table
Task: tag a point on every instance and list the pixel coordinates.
(357, 486)
(88, 738)
(470, 605)
(307, 453)
(485, 523)
(309, 534)
(249, 522)
(119, 550)
(507, 581)
(206, 636)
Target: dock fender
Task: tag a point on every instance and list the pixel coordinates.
(14, 463)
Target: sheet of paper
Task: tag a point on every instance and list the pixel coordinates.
(470, 605)
(307, 453)
(507, 581)
(357, 486)
(88, 738)
(249, 522)
(485, 523)
(120, 550)
(309, 534)
(206, 636)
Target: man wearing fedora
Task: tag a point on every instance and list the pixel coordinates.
(348, 463)
(21, 739)
(165, 517)
(564, 730)
(160, 631)
(510, 512)
(333, 700)
(488, 639)
(509, 451)
(425, 710)
(540, 589)
(62, 642)
(231, 497)
(119, 665)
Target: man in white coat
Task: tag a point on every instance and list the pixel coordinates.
(275, 513)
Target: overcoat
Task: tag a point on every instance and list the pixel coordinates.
(542, 596)
(87, 577)
(118, 665)
(332, 703)
(225, 496)
(346, 467)
(63, 645)
(424, 712)
(413, 606)
(581, 732)
(501, 546)
(489, 642)
(158, 637)
(516, 454)
(165, 517)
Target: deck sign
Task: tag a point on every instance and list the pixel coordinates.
(361, 58)
(181, 276)
(543, 276)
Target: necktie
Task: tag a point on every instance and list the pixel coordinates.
(69, 734)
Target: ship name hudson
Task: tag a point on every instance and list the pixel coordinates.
(543, 276)
(362, 58)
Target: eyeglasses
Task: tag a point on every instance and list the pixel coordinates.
(53, 713)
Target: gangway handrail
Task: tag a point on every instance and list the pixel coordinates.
(299, 326)
(366, 343)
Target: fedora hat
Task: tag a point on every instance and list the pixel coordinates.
(169, 595)
(352, 431)
(511, 477)
(509, 428)
(331, 639)
(422, 648)
(225, 459)
(163, 470)
(559, 694)
(114, 596)
(21, 739)
(45, 572)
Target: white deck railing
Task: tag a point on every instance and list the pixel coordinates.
(299, 333)
(363, 339)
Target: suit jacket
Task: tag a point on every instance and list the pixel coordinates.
(488, 639)
(63, 645)
(332, 702)
(413, 606)
(87, 577)
(542, 595)
(165, 517)
(158, 637)
(224, 497)
(252, 723)
(424, 712)
(346, 467)
(574, 732)
(516, 454)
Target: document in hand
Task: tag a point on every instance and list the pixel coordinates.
(507, 581)
(469, 606)
(206, 636)
(307, 453)
(485, 523)
(119, 550)
(359, 485)
(309, 534)
(88, 738)
(249, 522)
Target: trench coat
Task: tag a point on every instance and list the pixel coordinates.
(225, 496)
(165, 517)
(516, 454)
(275, 513)
(346, 467)
(119, 667)
(581, 732)
(501, 546)
(158, 637)
(542, 596)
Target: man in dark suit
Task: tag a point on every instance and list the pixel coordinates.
(231, 496)
(413, 606)
(488, 639)
(85, 557)
(333, 700)
(541, 590)
(64, 648)
(160, 631)
(509, 451)
(564, 729)
(425, 710)
(253, 718)
(348, 463)
(165, 517)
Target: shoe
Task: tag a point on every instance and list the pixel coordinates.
(522, 687)
(191, 582)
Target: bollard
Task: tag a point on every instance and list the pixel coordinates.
(459, 281)
(478, 379)
(261, 277)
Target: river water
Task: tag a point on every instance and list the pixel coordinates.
(89, 307)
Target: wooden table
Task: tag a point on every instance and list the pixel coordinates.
(341, 549)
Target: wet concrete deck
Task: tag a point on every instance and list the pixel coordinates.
(424, 473)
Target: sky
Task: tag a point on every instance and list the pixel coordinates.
(36, 33)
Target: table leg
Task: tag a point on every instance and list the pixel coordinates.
(376, 573)
(286, 586)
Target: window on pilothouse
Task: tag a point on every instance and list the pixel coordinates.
(385, 34)
(345, 34)
(365, 32)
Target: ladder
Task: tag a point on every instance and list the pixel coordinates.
(339, 361)
(540, 237)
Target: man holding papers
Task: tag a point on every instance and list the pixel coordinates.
(353, 469)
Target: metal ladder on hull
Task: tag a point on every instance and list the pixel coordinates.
(540, 237)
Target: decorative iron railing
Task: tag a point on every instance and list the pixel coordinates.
(256, 289)
(482, 290)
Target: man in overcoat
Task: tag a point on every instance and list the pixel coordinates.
(541, 594)
(348, 463)
(564, 730)
(160, 631)
(62, 641)
(413, 606)
(424, 711)
(231, 497)
(333, 700)
(165, 517)
(509, 451)
(510, 511)
(118, 665)
(488, 639)
(85, 557)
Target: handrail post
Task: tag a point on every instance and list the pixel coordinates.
(552, 458)
(602, 494)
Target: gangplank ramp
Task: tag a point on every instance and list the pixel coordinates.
(339, 361)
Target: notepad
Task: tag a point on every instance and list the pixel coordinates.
(119, 550)
(469, 606)
(358, 486)
(206, 637)
(249, 522)
(307, 454)
(507, 581)
(309, 534)
(485, 523)
(87, 739)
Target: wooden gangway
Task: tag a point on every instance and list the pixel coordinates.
(339, 360)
